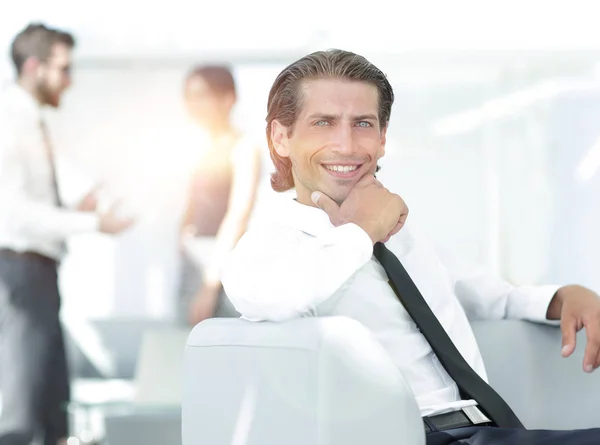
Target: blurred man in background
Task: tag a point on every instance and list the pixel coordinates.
(34, 225)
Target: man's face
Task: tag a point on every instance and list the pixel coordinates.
(336, 139)
(54, 75)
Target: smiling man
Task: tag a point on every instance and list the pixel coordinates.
(343, 247)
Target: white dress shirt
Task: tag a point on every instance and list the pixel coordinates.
(299, 264)
(29, 217)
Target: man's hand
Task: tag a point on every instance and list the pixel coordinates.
(89, 203)
(112, 224)
(369, 205)
(578, 307)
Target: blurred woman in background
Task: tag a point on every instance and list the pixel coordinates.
(221, 195)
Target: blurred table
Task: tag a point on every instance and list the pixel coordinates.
(105, 412)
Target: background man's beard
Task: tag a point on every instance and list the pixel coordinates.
(47, 96)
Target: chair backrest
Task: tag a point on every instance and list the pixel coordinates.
(524, 365)
(322, 381)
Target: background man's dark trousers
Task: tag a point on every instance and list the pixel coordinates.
(33, 370)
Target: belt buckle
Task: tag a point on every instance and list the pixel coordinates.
(475, 415)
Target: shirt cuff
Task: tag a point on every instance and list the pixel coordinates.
(531, 303)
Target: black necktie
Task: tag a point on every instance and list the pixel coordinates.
(51, 162)
(469, 382)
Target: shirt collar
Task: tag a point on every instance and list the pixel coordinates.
(308, 219)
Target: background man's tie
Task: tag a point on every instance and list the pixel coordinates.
(52, 163)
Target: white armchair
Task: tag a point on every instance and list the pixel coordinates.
(327, 381)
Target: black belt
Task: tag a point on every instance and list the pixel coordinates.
(456, 419)
(28, 254)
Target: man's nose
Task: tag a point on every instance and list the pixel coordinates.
(344, 139)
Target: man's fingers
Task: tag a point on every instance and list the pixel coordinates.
(591, 352)
(592, 348)
(403, 213)
(328, 205)
(396, 228)
(597, 363)
(568, 326)
(403, 217)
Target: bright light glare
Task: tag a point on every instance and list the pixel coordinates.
(245, 417)
(590, 163)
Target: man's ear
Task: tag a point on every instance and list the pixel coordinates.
(280, 138)
(30, 65)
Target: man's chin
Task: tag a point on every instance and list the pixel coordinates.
(52, 100)
(338, 197)
(340, 192)
(54, 103)
(48, 97)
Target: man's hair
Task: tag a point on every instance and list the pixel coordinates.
(285, 98)
(37, 40)
(218, 77)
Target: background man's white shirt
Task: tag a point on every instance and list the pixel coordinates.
(29, 218)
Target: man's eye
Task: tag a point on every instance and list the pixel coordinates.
(363, 124)
(321, 123)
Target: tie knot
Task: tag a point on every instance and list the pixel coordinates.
(379, 250)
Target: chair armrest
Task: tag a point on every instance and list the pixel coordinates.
(322, 381)
(524, 365)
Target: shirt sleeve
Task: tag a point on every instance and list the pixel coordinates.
(278, 273)
(486, 296)
(22, 212)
